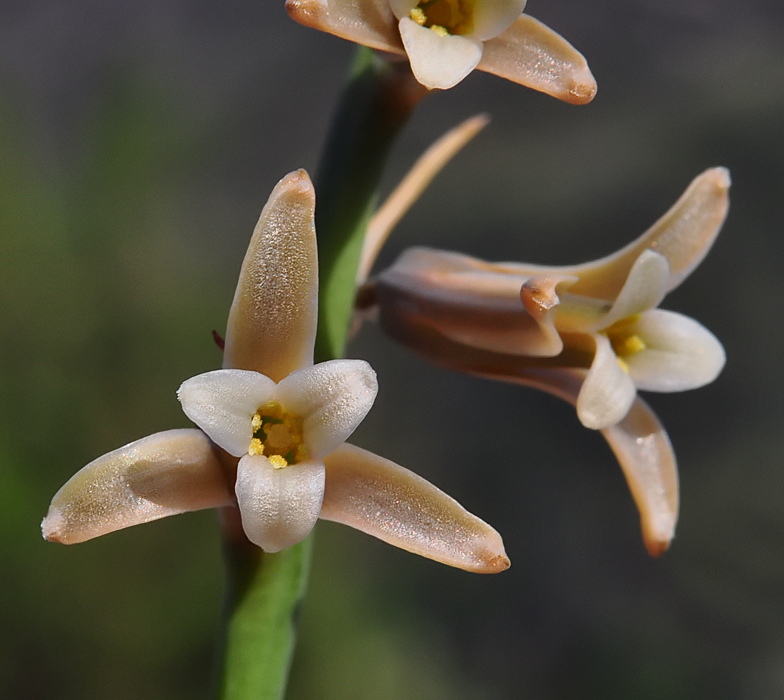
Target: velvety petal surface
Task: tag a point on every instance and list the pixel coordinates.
(222, 404)
(680, 353)
(332, 398)
(164, 474)
(387, 501)
(272, 322)
(279, 507)
(607, 392)
(438, 62)
(531, 54)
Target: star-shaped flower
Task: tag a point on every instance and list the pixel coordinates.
(446, 39)
(285, 419)
(590, 333)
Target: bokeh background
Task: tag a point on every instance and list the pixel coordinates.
(138, 143)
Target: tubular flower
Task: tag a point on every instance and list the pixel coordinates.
(591, 334)
(272, 429)
(446, 39)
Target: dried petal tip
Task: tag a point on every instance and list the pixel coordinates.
(52, 526)
(657, 547)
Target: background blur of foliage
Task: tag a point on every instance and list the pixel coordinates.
(138, 143)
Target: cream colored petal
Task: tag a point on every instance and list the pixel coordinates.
(279, 507)
(531, 54)
(332, 398)
(222, 404)
(272, 322)
(367, 22)
(491, 17)
(680, 353)
(607, 392)
(379, 497)
(402, 8)
(642, 448)
(438, 62)
(164, 474)
(684, 235)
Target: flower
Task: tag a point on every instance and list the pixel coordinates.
(591, 334)
(446, 39)
(273, 426)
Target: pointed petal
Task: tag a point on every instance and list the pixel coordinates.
(387, 501)
(648, 462)
(164, 474)
(367, 22)
(531, 54)
(680, 353)
(332, 398)
(684, 235)
(222, 404)
(492, 17)
(607, 392)
(438, 61)
(272, 322)
(279, 507)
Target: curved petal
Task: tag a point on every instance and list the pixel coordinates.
(402, 8)
(164, 474)
(607, 392)
(491, 17)
(438, 61)
(680, 353)
(531, 54)
(332, 398)
(279, 507)
(272, 322)
(379, 497)
(222, 404)
(367, 22)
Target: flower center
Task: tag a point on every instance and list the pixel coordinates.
(625, 342)
(445, 16)
(277, 434)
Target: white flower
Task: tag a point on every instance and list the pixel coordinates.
(276, 425)
(589, 333)
(446, 39)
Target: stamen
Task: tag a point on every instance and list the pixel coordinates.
(256, 447)
(441, 31)
(631, 345)
(278, 462)
(277, 434)
(623, 365)
(418, 15)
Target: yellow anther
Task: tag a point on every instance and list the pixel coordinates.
(631, 345)
(278, 462)
(441, 31)
(623, 365)
(256, 447)
(418, 15)
(256, 422)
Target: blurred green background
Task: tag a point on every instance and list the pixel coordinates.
(138, 143)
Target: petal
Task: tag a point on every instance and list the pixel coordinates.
(164, 474)
(680, 353)
(438, 61)
(367, 22)
(279, 507)
(222, 404)
(379, 497)
(332, 398)
(607, 392)
(402, 8)
(272, 322)
(531, 54)
(684, 235)
(492, 17)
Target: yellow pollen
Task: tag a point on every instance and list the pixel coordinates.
(256, 447)
(441, 31)
(278, 462)
(256, 422)
(418, 15)
(631, 345)
(623, 365)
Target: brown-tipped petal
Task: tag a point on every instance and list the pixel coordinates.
(164, 474)
(532, 54)
(684, 235)
(272, 322)
(368, 22)
(387, 501)
(463, 303)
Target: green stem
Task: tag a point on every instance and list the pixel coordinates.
(265, 591)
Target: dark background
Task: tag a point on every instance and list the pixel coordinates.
(138, 143)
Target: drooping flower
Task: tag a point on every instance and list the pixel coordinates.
(446, 39)
(591, 334)
(273, 429)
